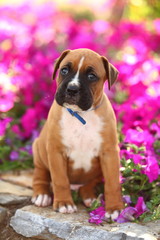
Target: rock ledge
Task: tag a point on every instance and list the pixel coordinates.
(45, 224)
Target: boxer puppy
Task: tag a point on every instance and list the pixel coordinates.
(78, 143)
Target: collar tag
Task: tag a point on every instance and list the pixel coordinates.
(75, 114)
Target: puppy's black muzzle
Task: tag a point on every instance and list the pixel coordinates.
(72, 90)
(72, 94)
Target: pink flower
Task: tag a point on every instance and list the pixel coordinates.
(155, 129)
(127, 215)
(6, 101)
(97, 216)
(29, 122)
(139, 159)
(140, 207)
(152, 168)
(157, 25)
(130, 213)
(142, 137)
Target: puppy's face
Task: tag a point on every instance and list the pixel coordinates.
(81, 77)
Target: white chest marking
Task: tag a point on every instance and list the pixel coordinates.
(75, 80)
(82, 142)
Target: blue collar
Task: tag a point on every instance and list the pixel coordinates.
(75, 114)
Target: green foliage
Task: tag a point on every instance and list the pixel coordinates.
(76, 198)
(95, 205)
(16, 165)
(157, 147)
(136, 183)
(4, 151)
(153, 210)
(142, 9)
(120, 97)
(24, 160)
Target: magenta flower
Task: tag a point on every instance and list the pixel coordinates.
(6, 101)
(152, 168)
(29, 122)
(136, 137)
(130, 213)
(155, 129)
(138, 159)
(127, 215)
(97, 216)
(140, 207)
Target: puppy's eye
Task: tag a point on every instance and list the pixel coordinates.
(92, 77)
(64, 71)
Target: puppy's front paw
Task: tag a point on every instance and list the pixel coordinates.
(64, 207)
(42, 200)
(112, 215)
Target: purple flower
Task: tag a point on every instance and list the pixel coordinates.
(29, 122)
(152, 168)
(97, 215)
(127, 199)
(138, 137)
(140, 207)
(130, 213)
(138, 159)
(126, 215)
(14, 155)
(155, 129)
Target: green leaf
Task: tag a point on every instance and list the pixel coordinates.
(95, 205)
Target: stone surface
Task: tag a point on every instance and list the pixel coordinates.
(6, 199)
(6, 187)
(21, 177)
(13, 194)
(3, 214)
(46, 224)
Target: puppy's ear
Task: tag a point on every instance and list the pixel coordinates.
(58, 61)
(111, 72)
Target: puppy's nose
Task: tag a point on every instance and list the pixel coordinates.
(72, 90)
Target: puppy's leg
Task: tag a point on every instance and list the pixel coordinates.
(88, 191)
(41, 180)
(110, 166)
(63, 201)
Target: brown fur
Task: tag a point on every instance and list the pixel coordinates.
(50, 160)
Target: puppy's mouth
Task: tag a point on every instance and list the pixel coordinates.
(72, 100)
(72, 94)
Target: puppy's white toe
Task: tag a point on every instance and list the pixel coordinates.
(33, 199)
(75, 208)
(46, 201)
(112, 215)
(42, 200)
(63, 209)
(68, 209)
(39, 200)
(88, 202)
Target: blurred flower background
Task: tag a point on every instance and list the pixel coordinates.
(32, 36)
